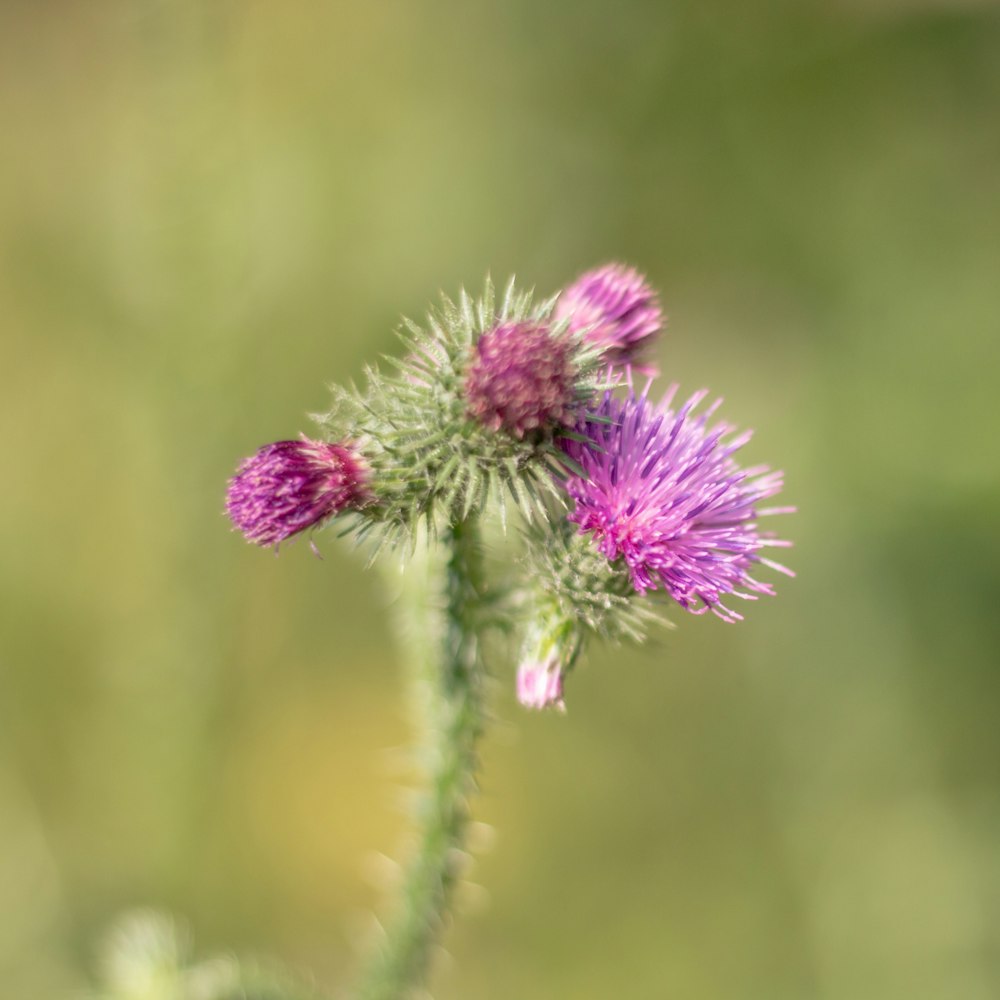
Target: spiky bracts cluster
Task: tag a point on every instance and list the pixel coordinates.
(289, 486)
(438, 431)
(615, 307)
(660, 491)
(573, 581)
(575, 592)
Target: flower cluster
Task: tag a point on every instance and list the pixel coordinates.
(630, 498)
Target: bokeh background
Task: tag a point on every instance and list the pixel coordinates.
(210, 210)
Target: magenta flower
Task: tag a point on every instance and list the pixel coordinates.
(617, 309)
(663, 492)
(289, 486)
(521, 378)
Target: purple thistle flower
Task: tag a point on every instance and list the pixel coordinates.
(617, 309)
(663, 492)
(289, 486)
(521, 378)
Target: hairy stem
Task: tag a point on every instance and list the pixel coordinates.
(448, 694)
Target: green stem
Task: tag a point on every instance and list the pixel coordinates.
(449, 695)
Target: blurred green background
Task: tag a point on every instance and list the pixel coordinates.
(210, 210)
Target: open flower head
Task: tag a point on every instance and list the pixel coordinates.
(618, 311)
(662, 491)
(288, 486)
(522, 378)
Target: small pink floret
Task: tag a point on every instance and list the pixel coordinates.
(540, 685)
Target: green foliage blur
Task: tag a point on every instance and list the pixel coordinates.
(210, 210)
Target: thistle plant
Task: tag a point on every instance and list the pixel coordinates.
(517, 418)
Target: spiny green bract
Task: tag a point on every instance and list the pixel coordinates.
(430, 460)
(576, 583)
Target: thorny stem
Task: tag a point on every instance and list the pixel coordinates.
(448, 695)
